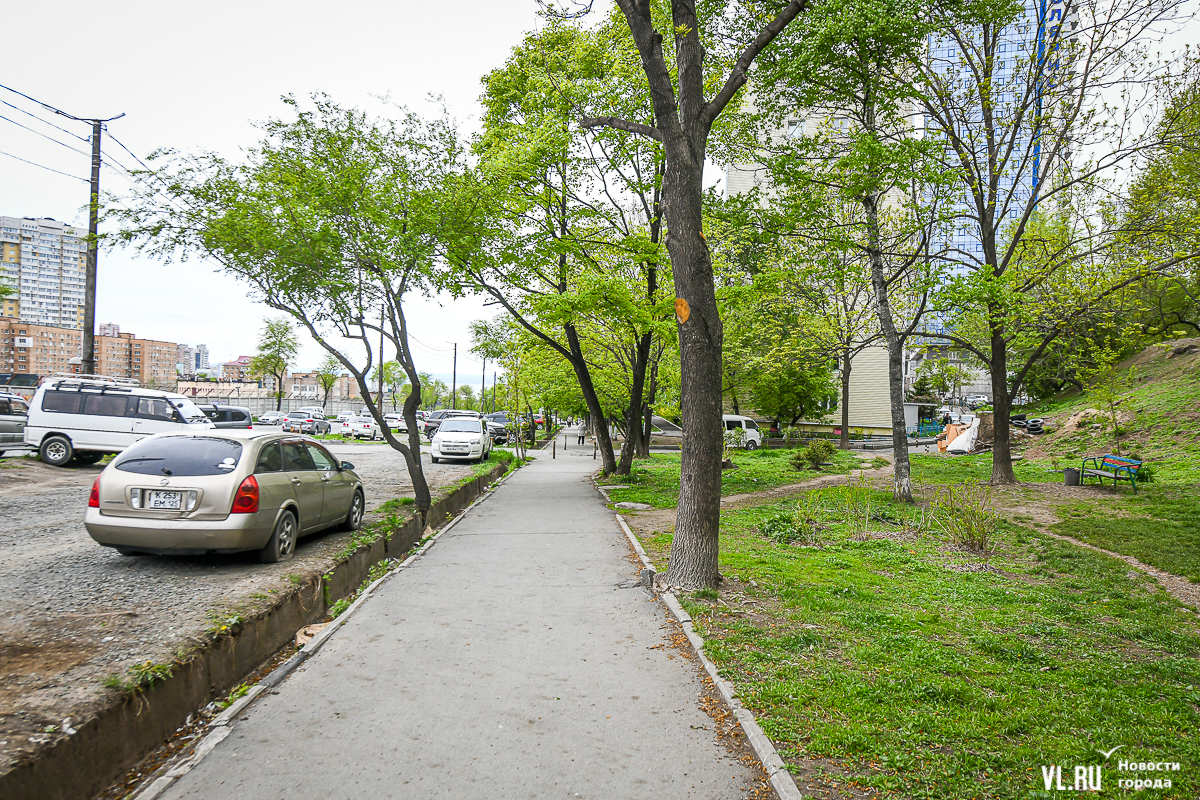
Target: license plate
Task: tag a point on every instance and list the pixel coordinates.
(167, 501)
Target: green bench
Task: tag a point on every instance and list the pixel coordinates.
(1118, 468)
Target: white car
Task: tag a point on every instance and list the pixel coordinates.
(83, 417)
(395, 422)
(462, 438)
(359, 428)
(734, 423)
(272, 418)
(345, 415)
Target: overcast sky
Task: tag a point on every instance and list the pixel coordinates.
(196, 76)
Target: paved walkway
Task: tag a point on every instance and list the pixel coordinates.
(513, 660)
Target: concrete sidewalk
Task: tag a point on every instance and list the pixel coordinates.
(513, 660)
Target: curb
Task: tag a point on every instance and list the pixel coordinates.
(221, 725)
(781, 779)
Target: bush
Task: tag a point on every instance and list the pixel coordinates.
(800, 527)
(814, 455)
(967, 516)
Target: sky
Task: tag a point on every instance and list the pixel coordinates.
(196, 77)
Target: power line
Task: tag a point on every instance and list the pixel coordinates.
(127, 150)
(43, 135)
(45, 121)
(49, 169)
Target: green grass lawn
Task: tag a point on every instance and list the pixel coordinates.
(656, 480)
(1160, 526)
(942, 469)
(908, 670)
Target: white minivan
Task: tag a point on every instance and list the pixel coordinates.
(733, 422)
(83, 417)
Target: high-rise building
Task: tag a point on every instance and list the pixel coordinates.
(108, 329)
(200, 357)
(45, 261)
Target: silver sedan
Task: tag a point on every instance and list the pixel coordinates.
(209, 492)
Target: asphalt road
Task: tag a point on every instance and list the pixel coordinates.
(518, 658)
(73, 612)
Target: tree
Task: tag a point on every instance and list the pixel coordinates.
(1038, 141)
(7, 290)
(683, 117)
(334, 218)
(848, 65)
(582, 243)
(394, 380)
(328, 372)
(943, 376)
(277, 348)
(432, 391)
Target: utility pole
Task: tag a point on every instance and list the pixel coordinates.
(454, 380)
(380, 367)
(483, 386)
(88, 356)
(493, 392)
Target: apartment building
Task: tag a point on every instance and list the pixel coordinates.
(237, 369)
(27, 349)
(45, 261)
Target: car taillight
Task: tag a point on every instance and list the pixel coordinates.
(245, 501)
(94, 499)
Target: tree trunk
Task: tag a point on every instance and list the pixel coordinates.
(588, 390)
(633, 413)
(845, 445)
(1002, 469)
(694, 549)
(902, 481)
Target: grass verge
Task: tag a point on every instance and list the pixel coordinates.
(656, 480)
(881, 656)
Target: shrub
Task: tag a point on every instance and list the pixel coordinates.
(799, 527)
(967, 516)
(814, 455)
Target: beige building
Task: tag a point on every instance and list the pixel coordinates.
(45, 261)
(48, 349)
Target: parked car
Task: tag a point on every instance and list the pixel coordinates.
(497, 427)
(14, 411)
(272, 418)
(359, 428)
(345, 415)
(395, 422)
(312, 422)
(461, 437)
(226, 491)
(733, 422)
(436, 418)
(83, 417)
(229, 416)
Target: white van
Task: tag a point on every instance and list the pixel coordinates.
(86, 416)
(753, 434)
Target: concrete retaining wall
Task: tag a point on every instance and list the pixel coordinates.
(128, 729)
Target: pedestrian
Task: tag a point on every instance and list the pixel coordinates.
(581, 433)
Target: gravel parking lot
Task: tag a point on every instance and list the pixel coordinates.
(73, 612)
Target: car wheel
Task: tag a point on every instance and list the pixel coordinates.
(751, 445)
(56, 450)
(435, 459)
(282, 544)
(354, 516)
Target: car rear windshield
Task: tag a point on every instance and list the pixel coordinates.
(181, 455)
(461, 426)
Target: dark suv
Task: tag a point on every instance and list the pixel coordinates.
(229, 416)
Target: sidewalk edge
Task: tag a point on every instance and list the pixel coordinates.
(781, 779)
